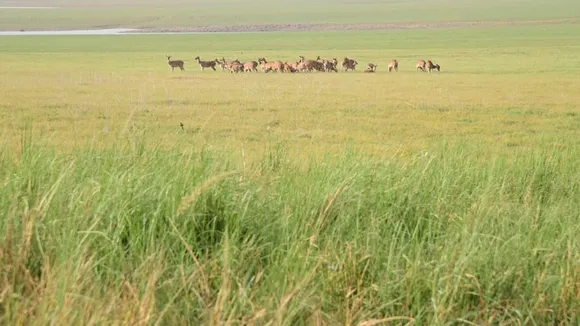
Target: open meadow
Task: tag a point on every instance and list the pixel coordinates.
(134, 195)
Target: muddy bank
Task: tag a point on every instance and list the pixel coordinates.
(342, 27)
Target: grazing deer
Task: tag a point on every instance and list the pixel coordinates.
(206, 64)
(431, 66)
(393, 65)
(420, 65)
(371, 68)
(174, 63)
(270, 66)
(349, 64)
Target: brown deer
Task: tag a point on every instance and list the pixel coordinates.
(206, 64)
(236, 67)
(371, 68)
(302, 66)
(393, 65)
(420, 65)
(318, 65)
(331, 65)
(174, 63)
(287, 67)
(226, 64)
(294, 66)
(250, 66)
(431, 66)
(312, 64)
(349, 64)
(270, 66)
(325, 65)
(306, 65)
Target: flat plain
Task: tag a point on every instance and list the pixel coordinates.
(137, 195)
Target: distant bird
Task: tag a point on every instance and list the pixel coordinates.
(181, 125)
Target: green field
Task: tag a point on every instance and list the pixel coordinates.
(177, 14)
(402, 198)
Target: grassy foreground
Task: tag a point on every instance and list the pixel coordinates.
(270, 205)
(143, 235)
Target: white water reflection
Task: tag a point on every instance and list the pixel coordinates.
(28, 7)
(108, 31)
(116, 31)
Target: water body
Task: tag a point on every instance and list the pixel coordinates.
(112, 31)
(28, 7)
(108, 31)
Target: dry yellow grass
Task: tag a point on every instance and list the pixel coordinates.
(503, 97)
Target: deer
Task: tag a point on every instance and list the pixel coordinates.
(302, 66)
(174, 63)
(236, 67)
(293, 66)
(270, 66)
(310, 65)
(393, 65)
(327, 65)
(431, 66)
(250, 66)
(349, 64)
(371, 68)
(420, 65)
(330, 65)
(206, 64)
(226, 64)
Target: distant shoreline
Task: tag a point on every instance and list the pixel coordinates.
(264, 28)
(29, 8)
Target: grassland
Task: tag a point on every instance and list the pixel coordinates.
(291, 199)
(514, 91)
(181, 14)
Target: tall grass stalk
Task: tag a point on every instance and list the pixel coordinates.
(161, 236)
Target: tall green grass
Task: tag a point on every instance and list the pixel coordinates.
(139, 234)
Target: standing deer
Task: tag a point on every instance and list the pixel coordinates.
(174, 63)
(312, 64)
(226, 64)
(271, 66)
(236, 67)
(293, 66)
(420, 65)
(251, 66)
(431, 66)
(328, 65)
(393, 65)
(349, 64)
(206, 64)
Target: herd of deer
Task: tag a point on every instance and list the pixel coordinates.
(302, 65)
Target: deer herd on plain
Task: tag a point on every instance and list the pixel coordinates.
(303, 65)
